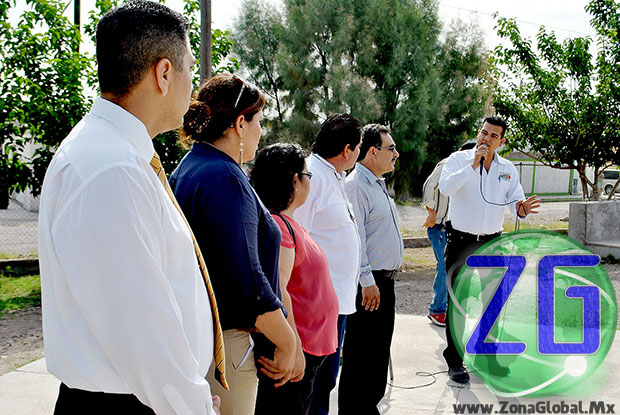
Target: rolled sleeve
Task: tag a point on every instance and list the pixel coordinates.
(225, 216)
(515, 192)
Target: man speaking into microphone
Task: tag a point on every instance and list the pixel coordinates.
(480, 184)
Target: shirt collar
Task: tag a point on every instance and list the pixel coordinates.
(471, 154)
(127, 123)
(366, 173)
(339, 176)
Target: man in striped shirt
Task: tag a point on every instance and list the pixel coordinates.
(437, 206)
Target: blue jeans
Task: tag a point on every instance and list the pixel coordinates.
(437, 236)
(327, 374)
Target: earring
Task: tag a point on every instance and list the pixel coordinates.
(241, 153)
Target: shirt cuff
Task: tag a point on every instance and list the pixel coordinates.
(367, 279)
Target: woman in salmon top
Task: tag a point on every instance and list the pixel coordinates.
(282, 181)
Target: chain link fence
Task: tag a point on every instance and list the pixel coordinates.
(18, 232)
(412, 217)
(18, 227)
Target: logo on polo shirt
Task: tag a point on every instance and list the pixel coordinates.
(533, 313)
(504, 176)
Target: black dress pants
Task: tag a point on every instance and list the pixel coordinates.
(77, 402)
(292, 398)
(459, 246)
(366, 351)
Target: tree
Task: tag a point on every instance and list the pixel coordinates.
(382, 61)
(44, 83)
(41, 88)
(256, 41)
(465, 82)
(317, 62)
(562, 105)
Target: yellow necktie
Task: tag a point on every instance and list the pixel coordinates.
(218, 351)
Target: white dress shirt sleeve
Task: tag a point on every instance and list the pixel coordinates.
(304, 215)
(454, 175)
(111, 246)
(515, 192)
(361, 207)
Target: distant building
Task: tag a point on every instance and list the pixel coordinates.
(542, 180)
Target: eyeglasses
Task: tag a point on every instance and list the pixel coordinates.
(309, 174)
(392, 147)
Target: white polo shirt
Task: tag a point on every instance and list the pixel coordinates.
(328, 217)
(468, 212)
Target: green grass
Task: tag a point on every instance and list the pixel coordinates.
(12, 255)
(409, 258)
(19, 292)
(510, 226)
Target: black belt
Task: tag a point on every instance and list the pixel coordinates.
(384, 273)
(455, 233)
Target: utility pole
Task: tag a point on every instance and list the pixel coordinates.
(205, 40)
(76, 18)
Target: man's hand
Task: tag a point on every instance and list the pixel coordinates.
(430, 219)
(216, 404)
(281, 367)
(481, 151)
(371, 297)
(525, 207)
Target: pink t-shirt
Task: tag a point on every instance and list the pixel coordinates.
(315, 304)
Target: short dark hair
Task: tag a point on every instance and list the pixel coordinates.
(336, 132)
(273, 171)
(216, 105)
(131, 38)
(371, 137)
(498, 121)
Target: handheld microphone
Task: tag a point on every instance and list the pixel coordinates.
(482, 161)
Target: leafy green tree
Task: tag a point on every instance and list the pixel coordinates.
(41, 87)
(563, 106)
(381, 60)
(465, 83)
(256, 42)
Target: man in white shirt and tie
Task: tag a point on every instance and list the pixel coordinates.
(328, 217)
(468, 178)
(127, 320)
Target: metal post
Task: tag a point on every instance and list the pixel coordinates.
(205, 40)
(76, 18)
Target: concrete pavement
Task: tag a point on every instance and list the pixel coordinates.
(416, 348)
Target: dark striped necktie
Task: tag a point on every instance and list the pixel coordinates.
(218, 351)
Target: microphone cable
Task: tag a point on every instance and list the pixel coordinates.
(500, 204)
(482, 193)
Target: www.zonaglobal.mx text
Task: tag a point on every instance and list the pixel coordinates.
(540, 407)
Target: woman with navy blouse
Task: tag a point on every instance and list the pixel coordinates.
(237, 236)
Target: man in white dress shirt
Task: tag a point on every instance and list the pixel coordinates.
(126, 318)
(473, 221)
(328, 217)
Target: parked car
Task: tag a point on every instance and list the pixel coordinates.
(610, 177)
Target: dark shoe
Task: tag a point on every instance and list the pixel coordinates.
(438, 319)
(458, 374)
